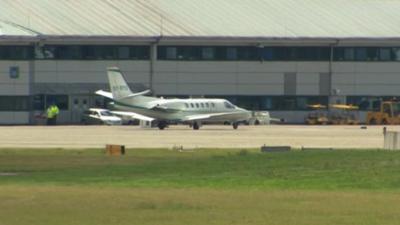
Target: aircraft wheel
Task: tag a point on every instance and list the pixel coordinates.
(161, 125)
(235, 125)
(196, 126)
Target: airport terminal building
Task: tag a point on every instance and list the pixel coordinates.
(275, 55)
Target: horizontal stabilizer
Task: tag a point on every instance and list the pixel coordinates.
(133, 115)
(105, 94)
(137, 94)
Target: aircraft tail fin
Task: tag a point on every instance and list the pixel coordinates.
(118, 85)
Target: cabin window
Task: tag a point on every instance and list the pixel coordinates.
(207, 105)
(197, 105)
(212, 104)
(202, 105)
(186, 105)
(191, 104)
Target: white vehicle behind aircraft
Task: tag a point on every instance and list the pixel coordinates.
(194, 111)
(100, 116)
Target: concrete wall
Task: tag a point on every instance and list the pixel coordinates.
(234, 78)
(18, 86)
(70, 71)
(14, 118)
(217, 78)
(367, 78)
(199, 78)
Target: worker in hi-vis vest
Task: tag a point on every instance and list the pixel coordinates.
(52, 112)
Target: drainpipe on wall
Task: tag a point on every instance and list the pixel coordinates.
(31, 78)
(331, 91)
(153, 59)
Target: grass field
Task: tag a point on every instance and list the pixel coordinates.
(158, 186)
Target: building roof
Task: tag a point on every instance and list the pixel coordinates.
(270, 19)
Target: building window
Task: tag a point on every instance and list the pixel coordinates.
(348, 54)
(278, 102)
(248, 53)
(47, 52)
(360, 54)
(396, 54)
(189, 53)
(280, 53)
(268, 54)
(140, 52)
(14, 103)
(343, 54)
(171, 53)
(313, 53)
(67, 52)
(231, 53)
(208, 53)
(38, 102)
(385, 54)
(92, 52)
(60, 100)
(106, 52)
(16, 52)
(372, 54)
(123, 52)
(88, 52)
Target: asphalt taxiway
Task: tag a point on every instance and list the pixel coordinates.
(207, 137)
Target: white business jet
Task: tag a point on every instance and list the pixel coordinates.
(193, 111)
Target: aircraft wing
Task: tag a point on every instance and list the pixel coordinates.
(276, 119)
(105, 94)
(160, 107)
(133, 115)
(206, 116)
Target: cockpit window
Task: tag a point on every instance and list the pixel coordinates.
(228, 105)
(105, 113)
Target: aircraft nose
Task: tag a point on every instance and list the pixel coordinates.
(246, 113)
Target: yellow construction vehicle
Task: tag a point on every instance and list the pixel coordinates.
(318, 116)
(343, 114)
(388, 113)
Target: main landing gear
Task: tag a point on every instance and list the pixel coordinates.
(235, 125)
(162, 124)
(196, 125)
